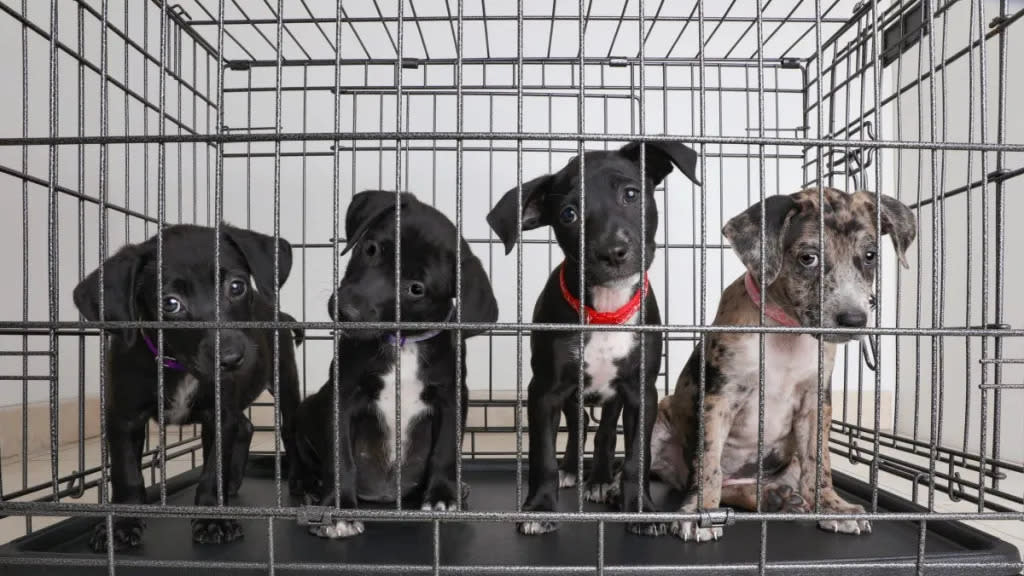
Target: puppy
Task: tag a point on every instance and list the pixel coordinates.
(615, 282)
(791, 277)
(365, 406)
(246, 359)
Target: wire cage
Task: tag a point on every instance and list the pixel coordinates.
(136, 114)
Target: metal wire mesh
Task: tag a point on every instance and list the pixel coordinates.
(153, 113)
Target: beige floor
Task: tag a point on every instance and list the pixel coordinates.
(39, 471)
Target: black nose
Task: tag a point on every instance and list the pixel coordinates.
(615, 255)
(852, 319)
(231, 358)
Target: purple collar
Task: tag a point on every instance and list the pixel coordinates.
(169, 361)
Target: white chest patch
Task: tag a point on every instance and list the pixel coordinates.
(179, 406)
(412, 398)
(790, 363)
(604, 349)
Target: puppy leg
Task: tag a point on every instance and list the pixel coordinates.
(805, 425)
(542, 413)
(344, 470)
(126, 439)
(569, 472)
(635, 474)
(217, 530)
(288, 389)
(601, 485)
(707, 493)
(779, 493)
(442, 493)
(240, 455)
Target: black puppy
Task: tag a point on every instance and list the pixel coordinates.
(615, 279)
(246, 359)
(366, 407)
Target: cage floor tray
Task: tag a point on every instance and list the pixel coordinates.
(497, 548)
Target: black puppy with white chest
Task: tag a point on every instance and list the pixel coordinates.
(130, 281)
(367, 463)
(617, 232)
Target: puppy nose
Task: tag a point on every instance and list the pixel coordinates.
(231, 358)
(852, 319)
(616, 254)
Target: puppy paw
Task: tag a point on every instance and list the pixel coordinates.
(851, 526)
(234, 486)
(647, 528)
(689, 531)
(600, 492)
(533, 528)
(440, 496)
(310, 499)
(127, 535)
(339, 529)
(783, 498)
(215, 530)
(566, 479)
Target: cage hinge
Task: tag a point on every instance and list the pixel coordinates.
(237, 65)
(315, 516)
(716, 518)
(410, 63)
(618, 62)
(997, 176)
(791, 63)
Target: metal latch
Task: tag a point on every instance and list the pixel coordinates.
(315, 516)
(618, 62)
(716, 518)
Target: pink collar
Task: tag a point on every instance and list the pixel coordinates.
(770, 310)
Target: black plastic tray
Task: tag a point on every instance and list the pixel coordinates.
(497, 545)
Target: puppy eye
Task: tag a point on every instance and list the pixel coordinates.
(236, 288)
(630, 195)
(809, 260)
(417, 289)
(568, 215)
(869, 257)
(172, 305)
(370, 248)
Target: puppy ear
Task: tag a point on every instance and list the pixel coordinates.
(503, 218)
(660, 158)
(119, 290)
(258, 251)
(365, 209)
(898, 221)
(744, 233)
(478, 301)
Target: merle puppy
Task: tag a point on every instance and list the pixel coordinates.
(615, 279)
(246, 359)
(367, 463)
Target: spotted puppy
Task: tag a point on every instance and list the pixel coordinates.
(791, 275)
(617, 233)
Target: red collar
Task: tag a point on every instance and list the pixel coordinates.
(770, 310)
(620, 316)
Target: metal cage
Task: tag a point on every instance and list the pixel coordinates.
(134, 114)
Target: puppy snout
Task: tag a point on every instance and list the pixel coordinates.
(232, 353)
(615, 254)
(852, 319)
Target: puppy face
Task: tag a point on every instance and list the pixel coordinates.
(190, 292)
(427, 285)
(793, 255)
(617, 231)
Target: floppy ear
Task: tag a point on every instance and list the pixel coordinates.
(258, 251)
(365, 209)
(478, 301)
(503, 217)
(660, 158)
(119, 290)
(744, 233)
(898, 221)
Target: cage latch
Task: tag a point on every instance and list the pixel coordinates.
(315, 516)
(618, 62)
(716, 518)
